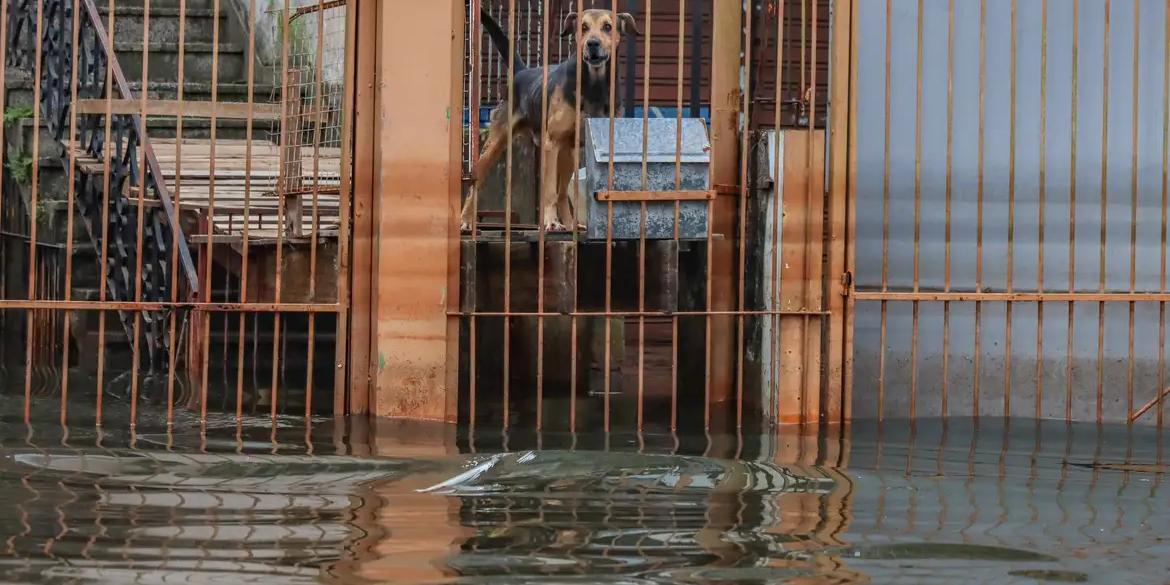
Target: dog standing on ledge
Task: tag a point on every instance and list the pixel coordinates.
(598, 34)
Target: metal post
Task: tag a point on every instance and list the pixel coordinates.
(839, 356)
(362, 52)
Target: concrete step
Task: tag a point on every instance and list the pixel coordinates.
(154, 4)
(164, 22)
(198, 61)
(157, 127)
(20, 90)
(263, 90)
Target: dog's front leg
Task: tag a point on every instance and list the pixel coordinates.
(549, 186)
(566, 164)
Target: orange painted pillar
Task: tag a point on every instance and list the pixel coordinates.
(418, 171)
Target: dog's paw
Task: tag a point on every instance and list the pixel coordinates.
(554, 226)
(465, 227)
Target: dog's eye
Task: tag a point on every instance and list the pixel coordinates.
(607, 27)
(584, 28)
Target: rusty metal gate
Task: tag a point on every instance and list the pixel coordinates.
(716, 328)
(1007, 176)
(174, 229)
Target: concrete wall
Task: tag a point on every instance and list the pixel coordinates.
(302, 35)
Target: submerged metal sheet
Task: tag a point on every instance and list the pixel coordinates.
(663, 153)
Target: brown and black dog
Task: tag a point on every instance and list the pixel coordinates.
(598, 34)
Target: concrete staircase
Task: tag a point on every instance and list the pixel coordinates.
(162, 83)
(201, 59)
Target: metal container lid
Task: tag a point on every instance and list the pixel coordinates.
(661, 147)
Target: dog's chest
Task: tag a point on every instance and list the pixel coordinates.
(561, 124)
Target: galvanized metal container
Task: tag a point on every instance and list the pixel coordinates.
(662, 151)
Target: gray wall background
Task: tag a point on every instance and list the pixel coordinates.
(1060, 169)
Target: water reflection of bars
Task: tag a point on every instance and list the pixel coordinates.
(1087, 496)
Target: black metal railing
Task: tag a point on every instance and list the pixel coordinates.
(108, 210)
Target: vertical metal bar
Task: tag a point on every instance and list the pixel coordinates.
(4, 320)
(317, 119)
(32, 211)
(886, 153)
(804, 48)
(342, 364)
(642, 218)
(577, 54)
(777, 197)
(851, 211)
(1011, 223)
(281, 193)
(541, 231)
(881, 390)
(917, 216)
(744, 153)
(979, 204)
(1165, 205)
(810, 396)
(175, 232)
(1104, 214)
(540, 268)
(227, 295)
(946, 347)
(1133, 204)
(696, 57)
(1072, 209)
(609, 240)
(709, 249)
(105, 254)
(1041, 196)
(255, 363)
(835, 277)
(475, 70)
(473, 112)
(507, 349)
(244, 254)
(70, 187)
(682, 12)
(631, 70)
(210, 259)
(139, 234)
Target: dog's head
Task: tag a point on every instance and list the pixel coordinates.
(598, 33)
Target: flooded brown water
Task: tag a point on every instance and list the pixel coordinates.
(351, 502)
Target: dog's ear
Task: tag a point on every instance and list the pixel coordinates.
(569, 28)
(626, 23)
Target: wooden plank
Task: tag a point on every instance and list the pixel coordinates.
(260, 238)
(185, 108)
(655, 195)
